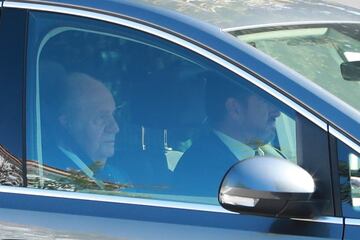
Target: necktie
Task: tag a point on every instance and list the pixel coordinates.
(259, 152)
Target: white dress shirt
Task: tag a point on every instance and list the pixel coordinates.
(243, 151)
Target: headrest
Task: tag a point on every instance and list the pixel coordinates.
(169, 99)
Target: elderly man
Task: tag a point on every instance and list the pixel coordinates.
(241, 125)
(84, 127)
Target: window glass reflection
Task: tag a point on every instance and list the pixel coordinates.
(115, 111)
(349, 176)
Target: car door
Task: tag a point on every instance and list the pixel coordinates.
(134, 98)
(345, 154)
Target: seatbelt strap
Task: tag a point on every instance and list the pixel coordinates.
(82, 166)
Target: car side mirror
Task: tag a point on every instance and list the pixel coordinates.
(350, 71)
(268, 186)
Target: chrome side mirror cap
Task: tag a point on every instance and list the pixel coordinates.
(268, 186)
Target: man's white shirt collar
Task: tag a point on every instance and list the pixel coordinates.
(239, 149)
(243, 151)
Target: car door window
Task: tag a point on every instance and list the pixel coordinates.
(116, 111)
(349, 161)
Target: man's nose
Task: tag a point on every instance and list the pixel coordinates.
(276, 112)
(112, 126)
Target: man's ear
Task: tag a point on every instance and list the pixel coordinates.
(233, 108)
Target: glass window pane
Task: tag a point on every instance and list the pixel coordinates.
(316, 51)
(117, 111)
(349, 170)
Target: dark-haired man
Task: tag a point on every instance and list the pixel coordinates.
(241, 124)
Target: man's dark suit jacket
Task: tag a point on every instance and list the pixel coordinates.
(202, 167)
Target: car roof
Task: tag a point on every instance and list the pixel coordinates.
(250, 13)
(251, 60)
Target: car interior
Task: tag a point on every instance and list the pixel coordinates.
(160, 107)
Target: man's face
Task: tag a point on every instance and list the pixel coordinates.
(259, 118)
(91, 122)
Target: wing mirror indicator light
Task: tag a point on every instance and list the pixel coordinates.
(239, 201)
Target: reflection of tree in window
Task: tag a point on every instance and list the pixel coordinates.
(10, 169)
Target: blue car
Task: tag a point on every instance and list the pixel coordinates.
(179, 119)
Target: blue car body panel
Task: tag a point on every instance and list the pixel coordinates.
(77, 217)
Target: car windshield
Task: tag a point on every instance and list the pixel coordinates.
(314, 38)
(327, 54)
